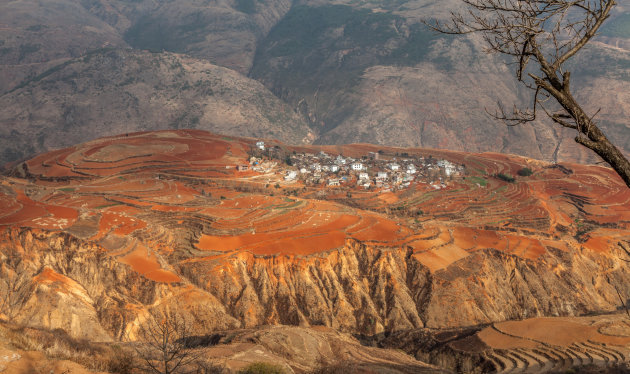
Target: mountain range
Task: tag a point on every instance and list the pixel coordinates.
(322, 72)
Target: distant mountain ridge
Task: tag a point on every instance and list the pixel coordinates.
(116, 91)
(349, 71)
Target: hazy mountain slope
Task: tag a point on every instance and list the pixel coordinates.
(356, 71)
(222, 32)
(35, 35)
(117, 91)
(370, 72)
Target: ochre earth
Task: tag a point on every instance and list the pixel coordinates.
(163, 219)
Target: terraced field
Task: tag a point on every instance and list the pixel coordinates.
(557, 344)
(123, 179)
(170, 209)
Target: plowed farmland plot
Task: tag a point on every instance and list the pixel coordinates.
(179, 192)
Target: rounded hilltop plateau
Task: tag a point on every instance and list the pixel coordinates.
(238, 233)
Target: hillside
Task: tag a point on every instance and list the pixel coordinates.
(371, 72)
(112, 91)
(122, 226)
(35, 35)
(353, 71)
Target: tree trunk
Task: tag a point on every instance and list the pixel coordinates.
(600, 144)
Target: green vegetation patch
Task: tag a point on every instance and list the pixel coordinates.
(478, 180)
(262, 368)
(506, 177)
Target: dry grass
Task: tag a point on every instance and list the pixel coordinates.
(58, 345)
(103, 357)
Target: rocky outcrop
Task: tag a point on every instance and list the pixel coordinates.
(494, 286)
(304, 350)
(357, 288)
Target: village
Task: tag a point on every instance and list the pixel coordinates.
(376, 170)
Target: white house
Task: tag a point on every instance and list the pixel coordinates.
(304, 171)
(333, 168)
(450, 170)
(381, 175)
(444, 163)
(411, 169)
(291, 175)
(357, 166)
(260, 145)
(364, 176)
(316, 167)
(394, 167)
(333, 182)
(340, 160)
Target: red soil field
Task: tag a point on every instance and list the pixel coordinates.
(136, 181)
(29, 210)
(119, 220)
(495, 339)
(23, 210)
(441, 237)
(302, 239)
(145, 263)
(8, 205)
(598, 244)
(440, 257)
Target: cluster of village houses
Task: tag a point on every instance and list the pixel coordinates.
(386, 172)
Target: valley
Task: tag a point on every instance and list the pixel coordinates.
(115, 229)
(298, 186)
(316, 72)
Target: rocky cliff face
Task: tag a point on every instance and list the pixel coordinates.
(359, 288)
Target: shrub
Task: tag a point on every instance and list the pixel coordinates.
(262, 368)
(121, 361)
(57, 344)
(525, 172)
(506, 177)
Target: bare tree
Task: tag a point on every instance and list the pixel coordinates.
(541, 36)
(163, 347)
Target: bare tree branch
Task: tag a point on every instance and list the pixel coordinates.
(541, 36)
(163, 344)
